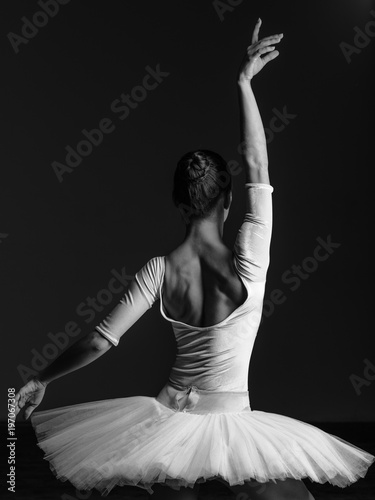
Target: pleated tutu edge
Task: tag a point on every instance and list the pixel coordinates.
(137, 441)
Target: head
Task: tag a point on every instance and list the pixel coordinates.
(202, 186)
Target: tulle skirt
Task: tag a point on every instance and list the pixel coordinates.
(141, 441)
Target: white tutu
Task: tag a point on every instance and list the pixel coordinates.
(139, 441)
(193, 433)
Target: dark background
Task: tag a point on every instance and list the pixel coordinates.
(60, 240)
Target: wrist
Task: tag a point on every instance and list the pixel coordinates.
(244, 81)
(244, 86)
(39, 380)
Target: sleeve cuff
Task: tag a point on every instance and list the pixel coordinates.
(107, 336)
(258, 185)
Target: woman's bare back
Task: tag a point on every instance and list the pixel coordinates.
(201, 287)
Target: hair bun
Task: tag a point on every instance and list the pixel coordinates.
(198, 183)
(197, 169)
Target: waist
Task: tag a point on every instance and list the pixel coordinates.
(191, 399)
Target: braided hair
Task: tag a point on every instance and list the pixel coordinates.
(200, 179)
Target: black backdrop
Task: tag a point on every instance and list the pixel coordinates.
(63, 239)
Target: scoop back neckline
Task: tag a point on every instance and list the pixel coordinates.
(225, 320)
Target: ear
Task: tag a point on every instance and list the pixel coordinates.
(228, 200)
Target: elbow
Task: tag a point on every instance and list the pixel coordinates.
(255, 157)
(256, 162)
(257, 172)
(97, 342)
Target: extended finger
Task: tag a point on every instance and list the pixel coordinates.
(256, 31)
(262, 51)
(30, 409)
(266, 41)
(21, 401)
(17, 409)
(259, 46)
(269, 57)
(269, 39)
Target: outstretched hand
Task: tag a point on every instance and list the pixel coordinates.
(258, 54)
(29, 396)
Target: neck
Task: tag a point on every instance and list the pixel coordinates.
(205, 231)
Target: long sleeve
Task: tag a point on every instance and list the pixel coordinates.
(140, 296)
(252, 244)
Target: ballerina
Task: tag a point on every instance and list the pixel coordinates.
(200, 426)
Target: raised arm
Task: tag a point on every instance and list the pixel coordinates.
(253, 139)
(253, 239)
